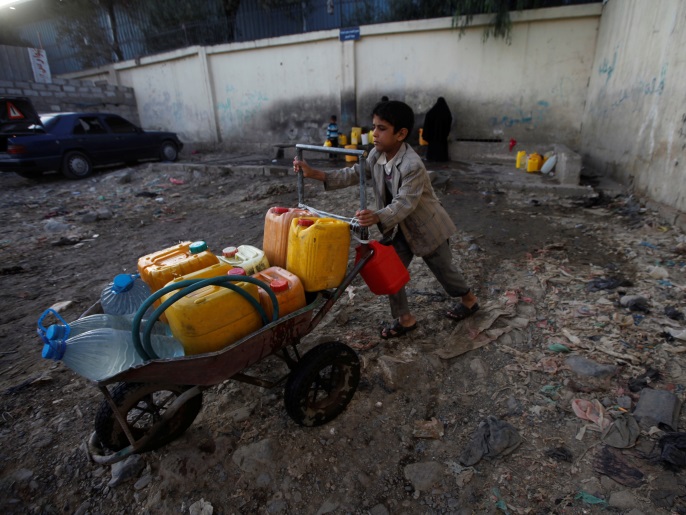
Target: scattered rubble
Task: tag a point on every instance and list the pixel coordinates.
(569, 380)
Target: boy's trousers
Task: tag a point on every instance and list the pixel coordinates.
(440, 262)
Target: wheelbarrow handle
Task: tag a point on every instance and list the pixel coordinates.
(362, 159)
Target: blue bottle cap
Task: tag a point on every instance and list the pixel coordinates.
(55, 337)
(49, 352)
(122, 283)
(197, 247)
(56, 332)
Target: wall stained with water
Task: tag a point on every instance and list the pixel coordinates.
(634, 124)
(251, 95)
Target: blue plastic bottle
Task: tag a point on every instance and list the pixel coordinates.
(101, 353)
(124, 295)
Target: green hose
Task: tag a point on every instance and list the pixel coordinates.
(145, 349)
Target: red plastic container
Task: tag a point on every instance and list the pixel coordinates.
(384, 273)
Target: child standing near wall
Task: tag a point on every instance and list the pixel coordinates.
(332, 133)
(407, 211)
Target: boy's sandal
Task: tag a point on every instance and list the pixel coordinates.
(395, 329)
(459, 311)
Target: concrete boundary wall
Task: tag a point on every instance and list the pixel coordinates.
(604, 80)
(634, 124)
(283, 90)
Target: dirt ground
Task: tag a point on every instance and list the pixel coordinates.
(542, 267)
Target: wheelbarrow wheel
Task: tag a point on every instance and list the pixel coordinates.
(322, 384)
(142, 405)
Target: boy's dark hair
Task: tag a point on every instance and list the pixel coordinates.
(333, 117)
(397, 113)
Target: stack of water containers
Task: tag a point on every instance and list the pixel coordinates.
(302, 253)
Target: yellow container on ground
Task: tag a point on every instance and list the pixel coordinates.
(521, 159)
(422, 141)
(356, 135)
(213, 317)
(249, 258)
(287, 288)
(352, 159)
(534, 163)
(277, 224)
(318, 252)
(342, 140)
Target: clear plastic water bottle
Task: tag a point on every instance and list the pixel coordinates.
(101, 353)
(124, 295)
(120, 322)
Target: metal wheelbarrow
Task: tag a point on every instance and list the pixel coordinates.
(150, 405)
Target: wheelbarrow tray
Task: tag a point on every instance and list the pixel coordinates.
(215, 367)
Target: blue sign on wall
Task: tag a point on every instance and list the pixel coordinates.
(350, 34)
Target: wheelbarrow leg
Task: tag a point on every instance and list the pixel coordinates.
(117, 414)
(285, 355)
(141, 443)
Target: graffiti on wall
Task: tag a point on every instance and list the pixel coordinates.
(654, 85)
(519, 117)
(237, 111)
(641, 88)
(607, 68)
(170, 111)
(162, 107)
(650, 86)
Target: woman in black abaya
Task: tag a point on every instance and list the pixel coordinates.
(437, 124)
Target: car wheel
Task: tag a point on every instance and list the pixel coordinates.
(76, 165)
(168, 151)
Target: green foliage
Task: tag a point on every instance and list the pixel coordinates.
(421, 9)
(364, 12)
(171, 24)
(90, 27)
(462, 11)
(501, 23)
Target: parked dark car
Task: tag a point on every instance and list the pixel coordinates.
(73, 143)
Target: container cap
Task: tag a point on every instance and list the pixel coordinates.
(278, 285)
(49, 352)
(230, 251)
(280, 210)
(304, 222)
(56, 332)
(122, 283)
(55, 337)
(197, 247)
(236, 271)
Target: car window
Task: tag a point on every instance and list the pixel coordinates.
(119, 125)
(88, 125)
